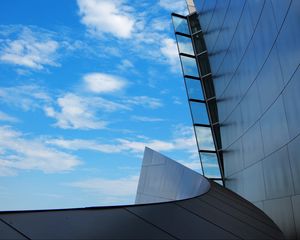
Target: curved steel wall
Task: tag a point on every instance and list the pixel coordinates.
(254, 49)
(218, 214)
(163, 179)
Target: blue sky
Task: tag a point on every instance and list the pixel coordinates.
(85, 85)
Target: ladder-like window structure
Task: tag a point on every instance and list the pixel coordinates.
(201, 95)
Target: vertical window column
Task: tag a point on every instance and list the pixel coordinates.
(196, 91)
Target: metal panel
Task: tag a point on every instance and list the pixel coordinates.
(252, 145)
(250, 74)
(288, 41)
(170, 218)
(220, 203)
(280, 210)
(265, 33)
(207, 13)
(274, 127)
(218, 214)
(277, 174)
(173, 176)
(162, 179)
(84, 224)
(219, 217)
(294, 156)
(280, 9)
(250, 107)
(236, 183)
(216, 24)
(269, 90)
(233, 158)
(8, 232)
(292, 104)
(296, 209)
(254, 183)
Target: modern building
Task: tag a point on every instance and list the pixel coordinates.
(240, 61)
(172, 202)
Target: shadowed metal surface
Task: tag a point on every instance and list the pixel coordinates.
(216, 214)
(253, 49)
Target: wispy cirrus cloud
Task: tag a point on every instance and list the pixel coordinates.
(7, 118)
(18, 152)
(31, 50)
(83, 144)
(120, 187)
(26, 97)
(106, 17)
(145, 101)
(146, 119)
(183, 139)
(125, 65)
(72, 110)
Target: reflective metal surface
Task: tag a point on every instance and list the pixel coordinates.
(218, 214)
(163, 179)
(254, 54)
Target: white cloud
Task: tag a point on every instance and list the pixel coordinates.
(160, 24)
(77, 144)
(20, 153)
(169, 51)
(178, 6)
(103, 83)
(121, 145)
(109, 187)
(70, 110)
(205, 139)
(75, 113)
(176, 100)
(146, 119)
(147, 34)
(7, 118)
(31, 50)
(26, 97)
(104, 16)
(183, 139)
(125, 65)
(139, 146)
(144, 101)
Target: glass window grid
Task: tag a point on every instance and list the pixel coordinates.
(210, 164)
(180, 24)
(204, 137)
(199, 112)
(189, 66)
(184, 44)
(189, 70)
(194, 88)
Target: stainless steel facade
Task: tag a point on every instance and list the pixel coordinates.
(211, 212)
(254, 54)
(163, 179)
